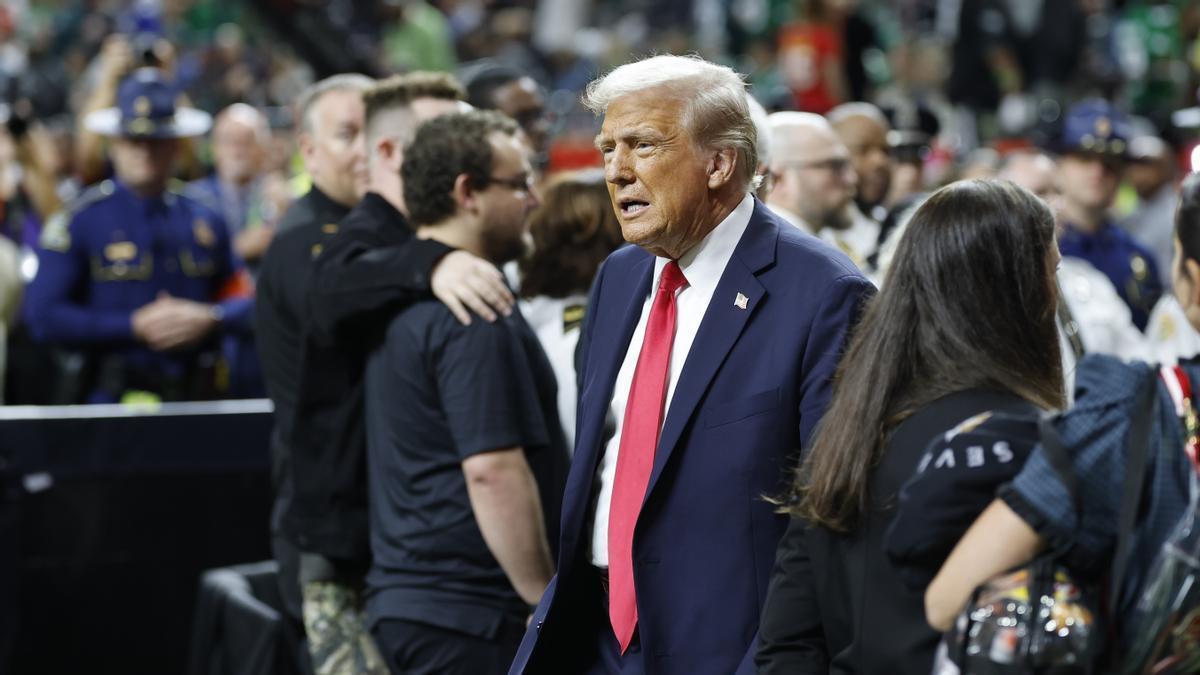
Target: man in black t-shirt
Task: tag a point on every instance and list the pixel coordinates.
(326, 292)
(466, 458)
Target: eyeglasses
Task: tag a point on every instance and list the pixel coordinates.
(522, 183)
(837, 165)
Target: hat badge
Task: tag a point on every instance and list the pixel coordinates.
(141, 106)
(1103, 127)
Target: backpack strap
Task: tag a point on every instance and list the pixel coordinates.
(1135, 478)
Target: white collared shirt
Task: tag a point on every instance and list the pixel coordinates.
(702, 266)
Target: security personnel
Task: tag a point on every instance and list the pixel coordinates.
(134, 274)
(1093, 147)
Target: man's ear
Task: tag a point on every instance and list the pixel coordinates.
(390, 153)
(721, 166)
(465, 195)
(305, 143)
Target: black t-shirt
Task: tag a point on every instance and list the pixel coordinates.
(325, 293)
(437, 393)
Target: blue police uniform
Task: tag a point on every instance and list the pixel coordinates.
(1095, 128)
(1129, 265)
(111, 252)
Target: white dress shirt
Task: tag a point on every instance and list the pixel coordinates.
(702, 266)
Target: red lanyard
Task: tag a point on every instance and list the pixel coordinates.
(1181, 392)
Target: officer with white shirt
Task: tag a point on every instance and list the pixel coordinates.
(814, 183)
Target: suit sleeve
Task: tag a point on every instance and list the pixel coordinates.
(355, 281)
(52, 310)
(790, 637)
(839, 311)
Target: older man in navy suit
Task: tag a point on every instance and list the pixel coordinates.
(707, 358)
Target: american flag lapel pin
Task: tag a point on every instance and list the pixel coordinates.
(740, 301)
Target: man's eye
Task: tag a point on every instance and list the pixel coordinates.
(644, 145)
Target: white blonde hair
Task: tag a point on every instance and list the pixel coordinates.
(715, 109)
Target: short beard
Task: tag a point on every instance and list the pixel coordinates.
(501, 249)
(834, 219)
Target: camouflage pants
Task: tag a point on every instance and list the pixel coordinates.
(338, 641)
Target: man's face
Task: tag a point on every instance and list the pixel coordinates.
(813, 178)
(657, 177)
(507, 199)
(145, 164)
(522, 100)
(1088, 181)
(866, 140)
(334, 150)
(1148, 175)
(238, 151)
(1035, 173)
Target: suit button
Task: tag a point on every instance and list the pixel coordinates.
(539, 626)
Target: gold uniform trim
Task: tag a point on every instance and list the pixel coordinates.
(121, 270)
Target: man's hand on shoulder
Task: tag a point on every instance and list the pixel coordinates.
(466, 283)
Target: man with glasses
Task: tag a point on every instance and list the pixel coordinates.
(813, 184)
(325, 294)
(466, 457)
(1094, 145)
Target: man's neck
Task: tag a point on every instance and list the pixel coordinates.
(152, 191)
(454, 234)
(1085, 220)
(236, 183)
(391, 189)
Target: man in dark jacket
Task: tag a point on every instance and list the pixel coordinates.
(322, 288)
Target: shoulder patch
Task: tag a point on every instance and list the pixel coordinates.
(56, 235)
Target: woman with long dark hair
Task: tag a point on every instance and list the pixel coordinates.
(964, 326)
(1036, 508)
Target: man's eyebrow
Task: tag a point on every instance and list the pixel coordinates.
(630, 136)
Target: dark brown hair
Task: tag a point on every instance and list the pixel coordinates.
(573, 231)
(444, 148)
(969, 302)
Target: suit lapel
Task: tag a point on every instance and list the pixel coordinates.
(723, 323)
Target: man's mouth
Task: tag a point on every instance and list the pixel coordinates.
(632, 207)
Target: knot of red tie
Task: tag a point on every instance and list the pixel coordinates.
(672, 278)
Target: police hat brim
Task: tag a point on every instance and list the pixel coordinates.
(186, 122)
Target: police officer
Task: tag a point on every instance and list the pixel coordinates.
(1093, 147)
(133, 273)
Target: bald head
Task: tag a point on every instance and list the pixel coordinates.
(864, 128)
(1032, 170)
(240, 138)
(811, 170)
(797, 135)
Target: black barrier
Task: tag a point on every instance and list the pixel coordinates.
(112, 513)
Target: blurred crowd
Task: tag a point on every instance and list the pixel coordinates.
(916, 94)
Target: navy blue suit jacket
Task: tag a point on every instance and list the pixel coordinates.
(754, 385)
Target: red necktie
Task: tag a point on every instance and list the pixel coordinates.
(635, 459)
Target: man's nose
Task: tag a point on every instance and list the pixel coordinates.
(617, 168)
